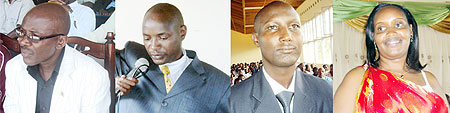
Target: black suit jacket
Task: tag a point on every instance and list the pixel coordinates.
(254, 95)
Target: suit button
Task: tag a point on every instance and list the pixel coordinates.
(164, 103)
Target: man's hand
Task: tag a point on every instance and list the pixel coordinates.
(125, 84)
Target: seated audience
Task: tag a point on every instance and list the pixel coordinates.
(12, 13)
(301, 67)
(308, 70)
(245, 69)
(82, 18)
(321, 74)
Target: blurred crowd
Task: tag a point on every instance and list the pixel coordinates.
(242, 71)
(325, 71)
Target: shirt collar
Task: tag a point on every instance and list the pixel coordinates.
(177, 62)
(34, 70)
(73, 4)
(277, 87)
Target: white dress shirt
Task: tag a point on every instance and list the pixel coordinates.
(278, 88)
(12, 14)
(82, 1)
(177, 67)
(82, 20)
(99, 34)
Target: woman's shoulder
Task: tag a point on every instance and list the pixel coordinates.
(431, 78)
(356, 73)
(346, 94)
(353, 77)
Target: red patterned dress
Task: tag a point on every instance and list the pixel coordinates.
(383, 92)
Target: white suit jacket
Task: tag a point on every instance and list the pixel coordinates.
(82, 86)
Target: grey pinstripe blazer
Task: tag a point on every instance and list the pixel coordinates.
(254, 95)
(201, 88)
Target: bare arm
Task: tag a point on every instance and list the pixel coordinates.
(345, 97)
(436, 87)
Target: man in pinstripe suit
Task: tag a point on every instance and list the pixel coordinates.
(177, 81)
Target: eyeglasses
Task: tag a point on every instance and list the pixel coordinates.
(31, 36)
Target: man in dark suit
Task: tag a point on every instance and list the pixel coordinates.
(177, 81)
(280, 87)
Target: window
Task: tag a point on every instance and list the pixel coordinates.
(317, 38)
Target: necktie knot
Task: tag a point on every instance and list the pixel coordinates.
(285, 98)
(165, 70)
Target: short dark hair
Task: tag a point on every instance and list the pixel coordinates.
(258, 15)
(412, 58)
(168, 12)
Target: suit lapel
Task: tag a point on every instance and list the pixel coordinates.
(156, 76)
(188, 80)
(30, 92)
(263, 94)
(64, 77)
(67, 63)
(301, 101)
(191, 77)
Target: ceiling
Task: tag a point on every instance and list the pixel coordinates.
(244, 11)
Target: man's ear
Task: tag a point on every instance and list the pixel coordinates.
(183, 31)
(62, 41)
(255, 39)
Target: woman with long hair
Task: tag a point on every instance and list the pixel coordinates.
(392, 79)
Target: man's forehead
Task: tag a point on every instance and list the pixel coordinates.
(287, 16)
(152, 27)
(36, 25)
(46, 17)
(276, 11)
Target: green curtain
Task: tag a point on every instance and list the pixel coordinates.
(349, 9)
(425, 13)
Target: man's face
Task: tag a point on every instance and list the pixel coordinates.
(162, 40)
(279, 37)
(35, 53)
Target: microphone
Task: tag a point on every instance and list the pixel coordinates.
(140, 67)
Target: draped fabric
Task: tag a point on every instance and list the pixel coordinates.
(355, 13)
(358, 23)
(377, 95)
(349, 9)
(442, 26)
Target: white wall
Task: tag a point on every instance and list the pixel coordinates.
(207, 21)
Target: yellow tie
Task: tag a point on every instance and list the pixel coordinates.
(166, 72)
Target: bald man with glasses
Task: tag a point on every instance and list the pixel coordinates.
(47, 76)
